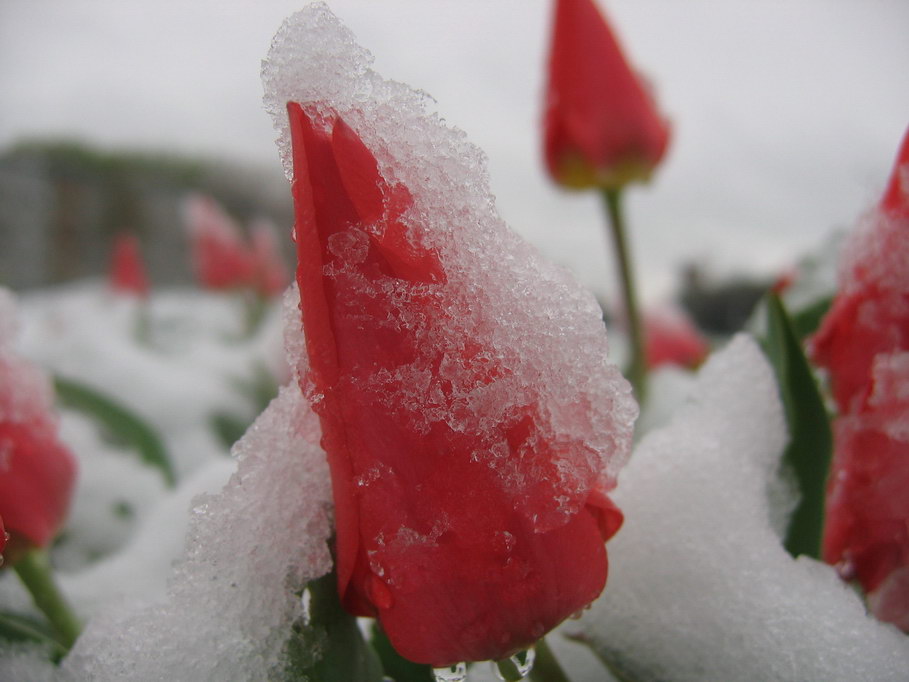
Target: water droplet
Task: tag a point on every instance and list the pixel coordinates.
(306, 604)
(451, 673)
(523, 661)
(378, 592)
(293, 235)
(846, 569)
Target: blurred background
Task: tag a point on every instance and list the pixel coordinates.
(786, 118)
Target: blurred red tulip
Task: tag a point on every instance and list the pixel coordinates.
(127, 273)
(863, 343)
(270, 275)
(870, 314)
(37, 472)
(672, 339)
(221, 257)
(602, 128)
(431, 538)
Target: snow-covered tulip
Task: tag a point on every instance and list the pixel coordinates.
(37, 472)
(870, 314)
(127, 272)
(471, 506)
(672, 339)
(863, 343)
(221, 258)
(601, 126)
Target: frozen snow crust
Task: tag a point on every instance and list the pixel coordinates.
(700, 587)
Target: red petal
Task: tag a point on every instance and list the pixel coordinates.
(428, 537)
(601, 125)
(37, 475)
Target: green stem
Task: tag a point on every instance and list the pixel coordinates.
(637, 368)
(35, 573)
(546, 667)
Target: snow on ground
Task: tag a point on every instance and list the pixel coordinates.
(699, 589)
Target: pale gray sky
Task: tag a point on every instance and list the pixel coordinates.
(787, 114)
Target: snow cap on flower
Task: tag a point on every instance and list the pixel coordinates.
(127, 273)
(601, 126)
(220, 255)
(472, 423)
(37, 472)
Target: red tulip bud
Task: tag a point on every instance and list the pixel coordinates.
(602, 128)
(127, 273)
(672, 339)
(37, 472)
(221, 258)
(863, 343)
(456, 524)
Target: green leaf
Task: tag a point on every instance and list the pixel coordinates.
(396, 666)
(15, 627)
(810, 446)
(121, 423)
(330, 647)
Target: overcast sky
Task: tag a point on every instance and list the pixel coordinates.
(786, 114)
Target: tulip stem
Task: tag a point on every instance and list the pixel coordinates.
(637, 367)
(35, 573)
(546, 667)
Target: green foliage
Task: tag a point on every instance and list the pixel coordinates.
(809, 451)
(121, 424)
(15, 627)
(328, 646)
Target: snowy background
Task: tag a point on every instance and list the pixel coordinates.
(786, 115)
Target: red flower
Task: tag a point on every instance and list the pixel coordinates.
(37, 472)
(870, 315)
(863, 342)
(867, 530)
(454, 525)
(672, 339)
(127, 273)
(270, 276)
(602, 128)
(221, 258)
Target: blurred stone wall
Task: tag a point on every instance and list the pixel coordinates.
(61, 205)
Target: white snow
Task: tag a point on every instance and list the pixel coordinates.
(700, 587)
